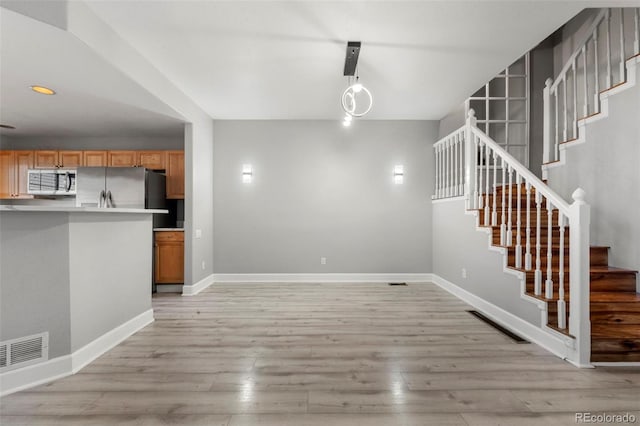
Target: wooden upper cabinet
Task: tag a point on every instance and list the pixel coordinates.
(7, 174)
(23, 162)
(122, 158)
(154, 160)
(70, 159)
(51, 159)
(94, 158)
(46, 159)
(13, 173)
(175, 174)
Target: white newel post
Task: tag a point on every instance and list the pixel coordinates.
(470, 158)
(546, 129)
(579, 282)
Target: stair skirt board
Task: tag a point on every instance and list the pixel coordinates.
(66, 365)
(556, 343)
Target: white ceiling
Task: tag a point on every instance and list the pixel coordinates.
(284, 60)
(266, 59)
(93, 98)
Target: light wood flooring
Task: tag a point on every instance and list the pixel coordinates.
(323, 354)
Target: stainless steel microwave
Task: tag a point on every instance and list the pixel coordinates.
(51, 182)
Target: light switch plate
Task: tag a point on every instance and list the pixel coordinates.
(198, 233)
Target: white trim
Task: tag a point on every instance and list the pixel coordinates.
(97, 347)
(169, 288)
(553, 344)
(192, 290)
(66, 365)
(444, 200)
(34, 375)
(616, 364)
(322, 278)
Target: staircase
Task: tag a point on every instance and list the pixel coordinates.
(594, 310)
(614, 303)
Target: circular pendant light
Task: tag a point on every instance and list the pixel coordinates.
(357, 100)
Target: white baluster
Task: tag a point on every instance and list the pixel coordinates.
(494, 213)
(562, 309)
(607, 22)
(518, 223)
(575, 99)
(565, 116)
(462, 163)
(546, 122)
(437, 149)
(456, 164)
(487, 205)
(622, 55)
(596, 97)
(480, 170)
(477, 183)
(503, 218)
(446, 168)
(636, 21)
(538, 272)
(527, 255)
(451, 166)
(510, 225)
(585, 110)
(548, 285)
(556, 149)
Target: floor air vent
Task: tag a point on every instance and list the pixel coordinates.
(498, 327)
(24, 351)
(398, 284)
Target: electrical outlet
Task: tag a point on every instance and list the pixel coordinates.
(464, 272)
(204, 265)
(198, 233)
(323, 260)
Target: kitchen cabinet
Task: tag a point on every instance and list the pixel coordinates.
(45, 159)
(94, 158)
(175, 174)
(154, 160)
(122, 158)
(13, 173)
(169, 257)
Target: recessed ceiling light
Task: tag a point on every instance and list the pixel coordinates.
(43, 90)
(6, 126)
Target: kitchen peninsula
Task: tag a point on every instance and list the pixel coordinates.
(80, 274)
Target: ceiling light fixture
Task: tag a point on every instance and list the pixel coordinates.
(43, 90)
(356, 99)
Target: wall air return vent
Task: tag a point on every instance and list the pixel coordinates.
(24, 351)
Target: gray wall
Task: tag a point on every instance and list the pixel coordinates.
(110, 272)
(457, 245)
(75, 275)
(34, 278)
(321, 190)
(607, 168)
(140, 142)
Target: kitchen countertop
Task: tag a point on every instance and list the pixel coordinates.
(168, 229)
(13, 208)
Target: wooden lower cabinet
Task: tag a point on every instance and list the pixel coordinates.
(169, 257)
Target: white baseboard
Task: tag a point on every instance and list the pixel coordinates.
(192, 290)
(553, 344)
(34, 375)
(53, 369)
(322, 278)
(110, 339)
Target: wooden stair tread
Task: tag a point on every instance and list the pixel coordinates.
(611, 270)
(614, 296)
